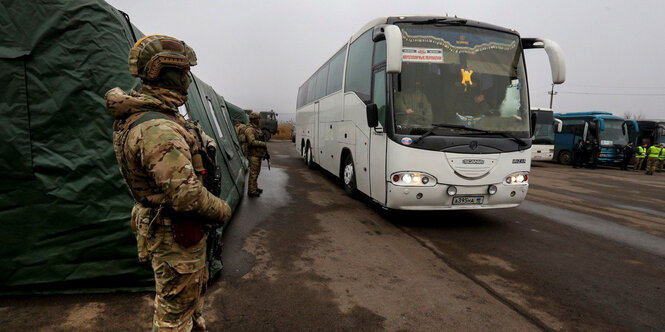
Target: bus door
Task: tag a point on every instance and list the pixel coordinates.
(378, 139)
(315, 134)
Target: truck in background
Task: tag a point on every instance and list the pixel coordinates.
(267, 123)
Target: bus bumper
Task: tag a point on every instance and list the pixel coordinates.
(437, 198)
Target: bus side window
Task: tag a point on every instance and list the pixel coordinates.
(359, 66)
(379, 95)
(379, 52)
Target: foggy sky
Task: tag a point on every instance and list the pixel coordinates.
(257, 53)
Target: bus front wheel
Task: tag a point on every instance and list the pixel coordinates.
(349, 176)
(565, 157)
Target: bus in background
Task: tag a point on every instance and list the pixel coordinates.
(653, 131)
(425, 113)
(609, 130)
(543, 140)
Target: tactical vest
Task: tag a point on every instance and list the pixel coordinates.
(146, 193)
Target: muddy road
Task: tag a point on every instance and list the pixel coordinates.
(586, 251)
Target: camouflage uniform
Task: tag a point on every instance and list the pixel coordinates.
(256, 149)
(242, 138)
(661, 158)
(160, 161)
(652, 158)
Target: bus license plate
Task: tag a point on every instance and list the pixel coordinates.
(463, 200)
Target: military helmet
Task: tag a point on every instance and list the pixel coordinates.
(152, 53)
(253, 116)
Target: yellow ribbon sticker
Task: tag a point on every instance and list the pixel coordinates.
(466, 77)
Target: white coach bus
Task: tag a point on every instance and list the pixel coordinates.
(425, 113)
(542, 147)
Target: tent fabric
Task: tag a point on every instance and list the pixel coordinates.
(63, 204)
(237, 113)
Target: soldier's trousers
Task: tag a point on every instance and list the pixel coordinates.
(254, 170)
(179, 298)
(652, 163)
(638, 163)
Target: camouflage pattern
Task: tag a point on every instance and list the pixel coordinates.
(638, 163)
(652, 163)
(256, 149)
(242, 138)
(156, 160)
(254, 170)
(152, 53)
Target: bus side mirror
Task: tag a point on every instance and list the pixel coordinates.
(534, 119)
(393, 37)
(372, 116)
(559, 125)
(554, 53)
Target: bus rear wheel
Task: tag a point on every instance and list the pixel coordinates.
(349, 176)
(565, 157)
(309, 159)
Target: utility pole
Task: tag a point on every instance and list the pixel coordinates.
(552, 93)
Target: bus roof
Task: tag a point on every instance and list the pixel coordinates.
(421, 18)
(593, 114)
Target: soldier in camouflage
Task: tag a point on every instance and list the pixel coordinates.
(256, 150)
(242, 138)
(160, 156)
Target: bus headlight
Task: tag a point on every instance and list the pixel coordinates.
(413, 179)
(517, 178)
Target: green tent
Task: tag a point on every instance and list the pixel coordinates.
(237, 113)
(63, 204)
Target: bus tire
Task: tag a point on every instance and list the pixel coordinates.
(309, 159)
(565, 157)
(266, 134)
(349, 176)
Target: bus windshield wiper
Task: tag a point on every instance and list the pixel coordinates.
(520, 141)
(442, 20)
(441, 125)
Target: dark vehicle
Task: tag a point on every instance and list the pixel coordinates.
(267, 123)
(651, 130)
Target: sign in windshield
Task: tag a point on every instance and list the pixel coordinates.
(460, 75)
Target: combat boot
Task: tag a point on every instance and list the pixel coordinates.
(254, 194)
(259, 190)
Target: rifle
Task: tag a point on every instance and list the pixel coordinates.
(212, 180)
(266, 157)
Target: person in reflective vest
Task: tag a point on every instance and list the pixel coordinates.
(653, 153)
(640, 154)
(661, 157)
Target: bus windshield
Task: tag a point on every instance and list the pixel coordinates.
(460, 75)
(544, 128)
(613, 134)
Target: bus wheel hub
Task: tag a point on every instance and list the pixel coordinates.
(348, 173)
